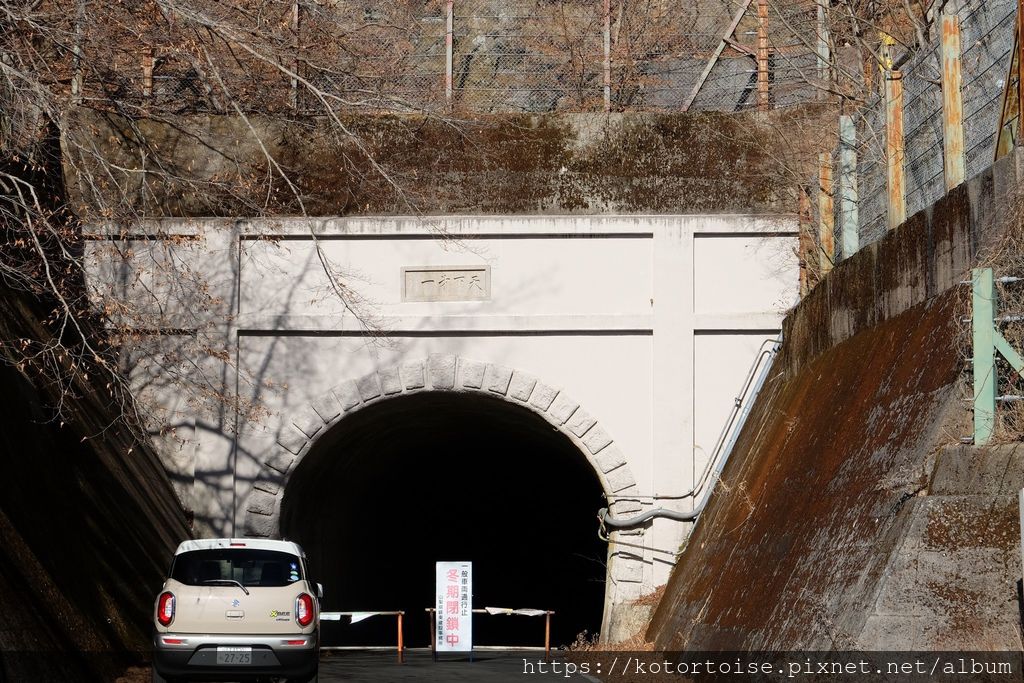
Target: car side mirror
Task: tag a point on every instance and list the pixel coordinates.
(320, 591)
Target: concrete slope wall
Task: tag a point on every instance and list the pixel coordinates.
(87, 528)
(841, 521)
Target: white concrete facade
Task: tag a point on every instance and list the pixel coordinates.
(649, 323)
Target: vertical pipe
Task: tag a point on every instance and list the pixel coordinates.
(401, 639)
(952, 103)
(985, 384)
(848, 195)
(762, 55)
(826, 215)
(824, 51)
(607, 55)
(895, 151)
(448, 49)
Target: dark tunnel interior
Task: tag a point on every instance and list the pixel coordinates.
(400, 485)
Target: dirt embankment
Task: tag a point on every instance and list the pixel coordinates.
(847, 518)
(87, 527)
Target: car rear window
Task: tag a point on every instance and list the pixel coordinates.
(247, 566)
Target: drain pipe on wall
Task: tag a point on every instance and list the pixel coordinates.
(742, 406)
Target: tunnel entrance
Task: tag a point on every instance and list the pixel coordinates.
(398, 485)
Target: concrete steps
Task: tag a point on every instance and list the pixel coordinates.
(954, 573)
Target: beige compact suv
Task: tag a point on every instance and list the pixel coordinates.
(237, 609)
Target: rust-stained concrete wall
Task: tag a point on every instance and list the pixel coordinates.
(844, 519)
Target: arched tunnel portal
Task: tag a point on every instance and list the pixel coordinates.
(395, 487)
(449, 459)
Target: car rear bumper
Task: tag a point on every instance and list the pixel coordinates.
(196, 656)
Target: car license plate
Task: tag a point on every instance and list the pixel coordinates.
(234, 655)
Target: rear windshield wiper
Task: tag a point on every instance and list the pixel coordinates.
(230, 582)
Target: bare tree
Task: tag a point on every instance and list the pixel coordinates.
(142, 68)
(95, 98)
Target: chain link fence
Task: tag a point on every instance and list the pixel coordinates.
(987, 30)
(504, 56)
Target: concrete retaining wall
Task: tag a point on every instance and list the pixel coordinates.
(205, 165)
(843, 519)
(88, 523)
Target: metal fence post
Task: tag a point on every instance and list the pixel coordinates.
(401, 638)
(607, 55)
(824, 51)
(895, 150)
(148, 61)
(78, 77)
(805, 241)
(547, 636)
(952, 103)
(1010, 120)
(1020, 69)
(826, 215)
(295, 62)
(762, 55)
(848, 186)
(983, 324)
(448, 48)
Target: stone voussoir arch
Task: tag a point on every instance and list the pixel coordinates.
(437, 373)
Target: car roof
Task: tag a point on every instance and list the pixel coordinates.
(255, 543)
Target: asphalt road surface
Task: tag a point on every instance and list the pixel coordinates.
(486, 667)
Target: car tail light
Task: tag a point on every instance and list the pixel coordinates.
(304, 609)
(165, 609)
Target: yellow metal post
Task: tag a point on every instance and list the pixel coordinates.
(762, 55)
(895, 149)
(826, 215)
(952, 103)
(449, 57)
